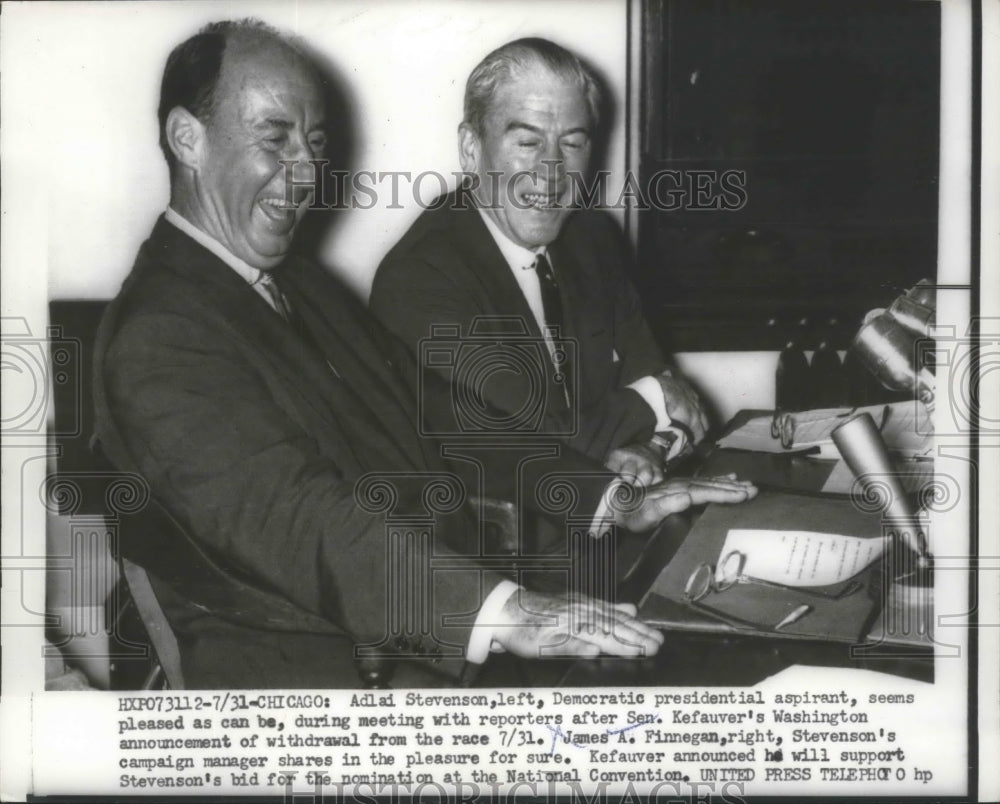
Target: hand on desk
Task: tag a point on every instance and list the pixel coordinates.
(683, 405)
(535, 625)
(638, 464)
(679, 494)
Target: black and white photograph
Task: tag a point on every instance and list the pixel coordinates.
(444, 398)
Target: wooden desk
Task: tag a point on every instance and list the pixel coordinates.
(694, 659)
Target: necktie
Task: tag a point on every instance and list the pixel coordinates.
(269, 285)
(278, 300)
(551, 303)
(553, 311)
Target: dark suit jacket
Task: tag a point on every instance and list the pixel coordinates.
(447, 269)
(253, 446)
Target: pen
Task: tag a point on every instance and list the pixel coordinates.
(794, 616)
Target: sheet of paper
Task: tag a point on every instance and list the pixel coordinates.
(801, 557)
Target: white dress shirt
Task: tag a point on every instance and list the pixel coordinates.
(522, 264)
(251, 275)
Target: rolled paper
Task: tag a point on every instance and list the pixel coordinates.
(864, 452)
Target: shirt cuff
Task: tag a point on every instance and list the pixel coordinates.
(649, 389)
(481, 639)
(604, 518)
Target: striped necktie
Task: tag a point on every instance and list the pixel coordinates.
(278, 301)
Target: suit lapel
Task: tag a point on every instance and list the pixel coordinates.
(357, 402)
(488, 266)
(573, 264)
(503, 293)
(588, 305)
(342, 329)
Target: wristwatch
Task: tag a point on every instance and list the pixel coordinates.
(672, 442)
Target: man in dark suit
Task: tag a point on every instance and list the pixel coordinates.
(262, 415)
(512, 246)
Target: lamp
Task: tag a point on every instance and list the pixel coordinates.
(887, 343)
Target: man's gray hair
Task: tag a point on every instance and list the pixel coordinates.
(510, 60)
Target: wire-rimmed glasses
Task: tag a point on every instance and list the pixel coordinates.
(706, 579)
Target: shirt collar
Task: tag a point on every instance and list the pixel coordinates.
(517, 257)
(250, 274)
